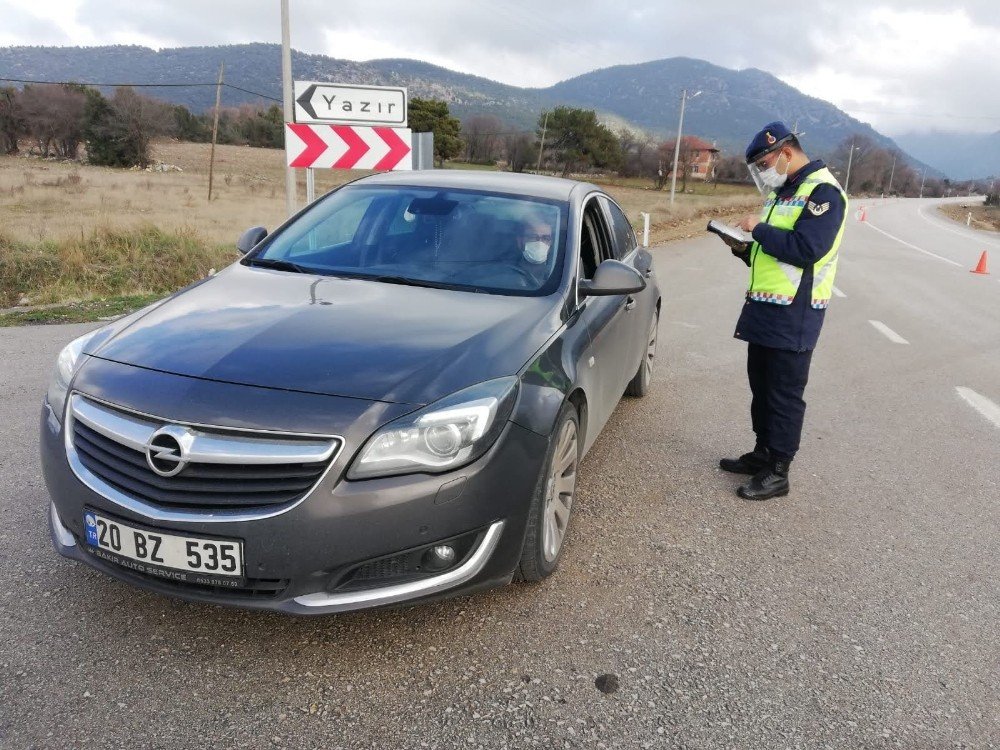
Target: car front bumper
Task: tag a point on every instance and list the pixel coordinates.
(296, 560)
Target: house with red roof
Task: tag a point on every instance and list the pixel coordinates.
(702, 156)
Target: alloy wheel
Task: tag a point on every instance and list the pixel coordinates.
(651, 349)
(560, 491)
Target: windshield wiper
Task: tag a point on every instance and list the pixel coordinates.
(404, 281)
(278, 265)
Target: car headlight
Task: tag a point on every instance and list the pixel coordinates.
(451, 432)
(66, 366)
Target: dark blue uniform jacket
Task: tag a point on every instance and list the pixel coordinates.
(794, 327)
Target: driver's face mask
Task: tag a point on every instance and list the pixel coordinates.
(536, 247)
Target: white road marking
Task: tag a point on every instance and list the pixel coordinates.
(838, 293)
(969, 235)
(888, 332)
(981, 404)
(904, 242)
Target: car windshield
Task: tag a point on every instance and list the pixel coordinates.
(458, 239)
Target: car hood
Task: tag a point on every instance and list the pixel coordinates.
(339, 337)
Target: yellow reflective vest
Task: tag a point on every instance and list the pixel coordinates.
(776, 282)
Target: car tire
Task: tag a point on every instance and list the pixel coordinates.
(639, 385)
(552, 503)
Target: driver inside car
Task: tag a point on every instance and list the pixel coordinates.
(534, 242)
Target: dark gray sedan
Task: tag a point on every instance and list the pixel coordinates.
(386, 400)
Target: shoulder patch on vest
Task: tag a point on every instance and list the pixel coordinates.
(818, 209)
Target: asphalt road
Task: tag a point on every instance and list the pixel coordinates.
(860, 612)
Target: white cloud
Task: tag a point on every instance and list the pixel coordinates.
(902, 65)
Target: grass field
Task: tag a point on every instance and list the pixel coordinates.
(72, 232)
(983, 217)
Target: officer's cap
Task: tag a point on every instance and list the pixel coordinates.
(773, 136)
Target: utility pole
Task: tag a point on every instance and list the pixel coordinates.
(891, 173)
(215, 130)
(923, 176)
(291, 199)
(541, 147)
(850, 158)
(677, 145)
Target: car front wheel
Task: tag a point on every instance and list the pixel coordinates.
(552, 503)
(639, 385)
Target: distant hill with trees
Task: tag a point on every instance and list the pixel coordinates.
(645, 96)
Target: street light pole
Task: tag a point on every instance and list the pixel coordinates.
(677, 145)
(850, 158)
(286, 90)
(891, 173)
(923, 176)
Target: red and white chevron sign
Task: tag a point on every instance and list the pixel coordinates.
(347, 147)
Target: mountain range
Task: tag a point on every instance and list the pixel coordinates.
(731, 106)
(962, 156)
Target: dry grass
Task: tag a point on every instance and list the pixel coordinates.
(73, 232)
(56, 201)
(983, 217)
(104, 263)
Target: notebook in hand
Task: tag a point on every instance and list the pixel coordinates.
(732, 236)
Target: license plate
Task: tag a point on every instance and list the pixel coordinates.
(170, 556)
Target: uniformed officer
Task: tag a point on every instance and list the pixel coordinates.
(792, 260)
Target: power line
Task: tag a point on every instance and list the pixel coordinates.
(254, 93)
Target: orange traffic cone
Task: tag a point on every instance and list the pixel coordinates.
(981, 265)
(864, 214)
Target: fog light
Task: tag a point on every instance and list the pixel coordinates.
(439, 557)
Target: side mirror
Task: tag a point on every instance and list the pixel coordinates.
(612, 277)
(249, 239)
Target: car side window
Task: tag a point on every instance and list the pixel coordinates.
(595, 239)
(624, 237)
(589, 254)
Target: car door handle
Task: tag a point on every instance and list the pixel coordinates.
(630, 303)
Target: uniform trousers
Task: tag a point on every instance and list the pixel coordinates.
(778, 379)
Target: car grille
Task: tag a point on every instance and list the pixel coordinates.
(226, 470)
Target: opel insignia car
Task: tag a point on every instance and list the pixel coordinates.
(385, 400)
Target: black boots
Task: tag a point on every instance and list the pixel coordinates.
(748, 463)
(770, 481)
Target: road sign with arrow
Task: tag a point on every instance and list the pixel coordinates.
(310, 146)
(317, 102)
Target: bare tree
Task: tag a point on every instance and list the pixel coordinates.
(638, 154)
(142, 119)
(521, 150)
(55, 118)
(120, 130)
(12, 124)
(731, 169)
(685, 159)
(482, 135)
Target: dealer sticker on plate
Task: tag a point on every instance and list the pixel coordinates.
(169, 556)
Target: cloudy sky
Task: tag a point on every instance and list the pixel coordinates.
(908, 66)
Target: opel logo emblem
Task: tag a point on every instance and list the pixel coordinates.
(164, 452)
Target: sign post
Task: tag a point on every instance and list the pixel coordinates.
(291, 199)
